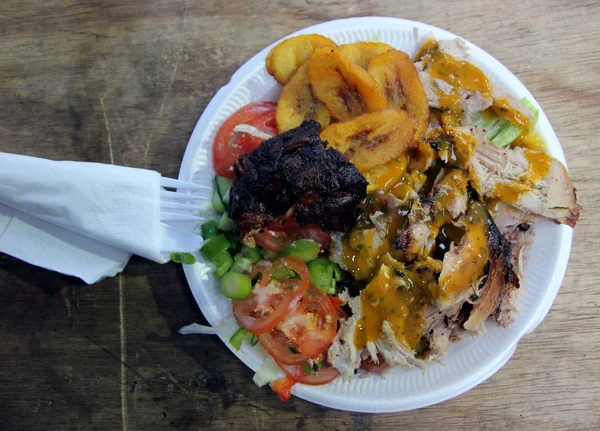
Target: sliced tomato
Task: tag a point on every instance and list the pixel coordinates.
(273, 240)
(321, 377)
(312, 324)
(305, 333)
(269, 303)
(282, 232)
(227, 147)
(278, 346)
(264, 122)
(283, 387)
(337, 303)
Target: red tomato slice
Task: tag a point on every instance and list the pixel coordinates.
(226, 149)
(277, 345)
(269, 303)
(283, 387)
(265, 123)
(337, 303)
(309, 329)
(286, 230)
(321, 377)
(274, 241)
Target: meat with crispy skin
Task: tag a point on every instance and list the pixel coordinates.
(294, 169)
(501, 278)
(552, 196)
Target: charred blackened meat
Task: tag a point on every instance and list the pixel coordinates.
(295, 169)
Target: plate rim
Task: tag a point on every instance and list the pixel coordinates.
(565, 233)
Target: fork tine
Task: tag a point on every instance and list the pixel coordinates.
(169, 216)
(184, 185)
(165, 194)
(178, 206)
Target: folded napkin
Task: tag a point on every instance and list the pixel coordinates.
(84, 219)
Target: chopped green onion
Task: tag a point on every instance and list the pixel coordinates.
(183, 258)
(217, 203)
(536, 112)
(241, 264)
(308, 369)
(224, 262)
(239, 336)
(509, 133)
(210, 229)
(282, 273)
(324, 274)
(226, 224)
(268, 254)
(233, 239)
(223, 186)
(236, 286)
(500, 131)
(214, 245)
(251, 253)
(304, 249)
(337, 272)
(254, 340)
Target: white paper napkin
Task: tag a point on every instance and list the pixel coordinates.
(83, 219)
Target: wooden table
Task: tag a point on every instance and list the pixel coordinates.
(124, 82)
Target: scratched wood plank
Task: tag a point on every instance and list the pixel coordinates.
(124, 82)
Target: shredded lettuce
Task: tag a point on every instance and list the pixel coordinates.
(196, 328)
(268, 371)
(536, 112)
(500, 131)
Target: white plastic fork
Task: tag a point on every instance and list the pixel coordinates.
(171, 209)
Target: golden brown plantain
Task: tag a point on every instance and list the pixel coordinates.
(398, 78)
(371, 140)
(345, 88)
(297, 104)
(361, 53)
(287, 56)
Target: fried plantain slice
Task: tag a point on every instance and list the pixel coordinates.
(374, 139)
(361, 53)
(297, 104)
(345, 88)
(398, 79)
(287, 56)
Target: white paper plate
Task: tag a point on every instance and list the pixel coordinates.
(470, 361)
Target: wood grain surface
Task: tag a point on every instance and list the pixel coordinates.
(124, 82)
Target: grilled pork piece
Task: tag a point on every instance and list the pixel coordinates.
(446, 202)
(436, 89)
(531, 180)
(515, 226)
(295, 169)
(500, 281)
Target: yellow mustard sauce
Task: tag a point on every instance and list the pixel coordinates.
(386, 176)
(453, 184)
(464, 142)
(504, 109)
(473, 258)
(531, 140)
(510, 192)
(458, 73)
(538, 168)
(539, 165)
(397, 296)
(363, 247)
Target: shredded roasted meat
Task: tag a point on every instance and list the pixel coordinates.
(552, 196)
(295, 169)
(500, 280)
